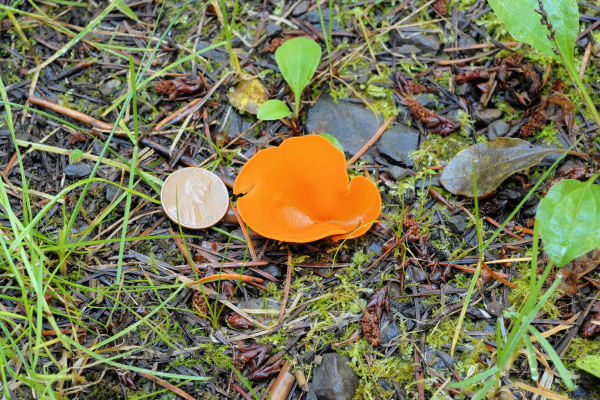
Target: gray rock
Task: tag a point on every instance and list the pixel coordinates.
(428, 43)
(107, 87)
(487, 115)
(216, 54)
(407, 49)
(466, 40)
(415, 274)
(232, 126)
(497, 129)
(404, 116)
(352, 124)
(334, 379)
(463, 89)
(272, 29)
(398, 173)
(389, 331)
(78, 170)
(457, 223)
(112, 192)
(428, 181)
(397, 142)
(426, 100)
(300, 8)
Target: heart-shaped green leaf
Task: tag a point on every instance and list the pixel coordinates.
(569, 220)
(524, 23)
(298, 59)
(590, 364)
(273, 109)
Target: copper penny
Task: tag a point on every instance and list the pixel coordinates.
(197, 196)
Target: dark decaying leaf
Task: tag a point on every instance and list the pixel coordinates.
(493, 162)
(176, 87)
(254, 354)
(473, 75)
(591, 327)
(372, 313)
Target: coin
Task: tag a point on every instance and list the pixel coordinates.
(194, 198)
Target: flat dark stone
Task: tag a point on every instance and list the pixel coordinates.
(78, 170)
(428, 43)
(397, 143)
(352, 124)
(334, 379)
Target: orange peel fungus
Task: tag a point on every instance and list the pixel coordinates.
(300, 192)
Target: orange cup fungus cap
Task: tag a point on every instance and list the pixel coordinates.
(300, 192)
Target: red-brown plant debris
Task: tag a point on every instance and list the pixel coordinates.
(274, 45)
(77, 137)
(199, 305)
(533, 79)
(440, 7)
(254, 355)
(176, 87)
(409, 86)
(238, 321)
(473, 75)
(591, 327)
(266, 371)
(378, 302)
(536, 121)
(433, 121)
(412, 230)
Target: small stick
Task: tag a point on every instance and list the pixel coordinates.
(586, 58)
(79, 116)
(479, 46)
(235, 277)
(496, 276)
(241, 392)
(244, 231)
(466, 60)
(282, 384)
(182, 248)
(371, 141)
(168, 386)
(288, 283)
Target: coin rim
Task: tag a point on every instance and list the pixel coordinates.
(207, 173)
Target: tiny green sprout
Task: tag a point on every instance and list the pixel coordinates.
(297, 59)
(76, 155)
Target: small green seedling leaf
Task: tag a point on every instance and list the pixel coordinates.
(273, 109)
(524, 23)
(124, 8)
(333, 141)
(76, 155)
(298, 59)
(569, 218)
(590, 364)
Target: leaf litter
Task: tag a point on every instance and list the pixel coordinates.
(416, 268)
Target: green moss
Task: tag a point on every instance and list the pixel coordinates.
(434, 150)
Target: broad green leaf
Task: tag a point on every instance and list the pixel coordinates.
(333, 141)
(298, 59)
(524, 23)
(569, 218)
(590, 364)
(495, 161)
(124, 8)
(273, 109)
